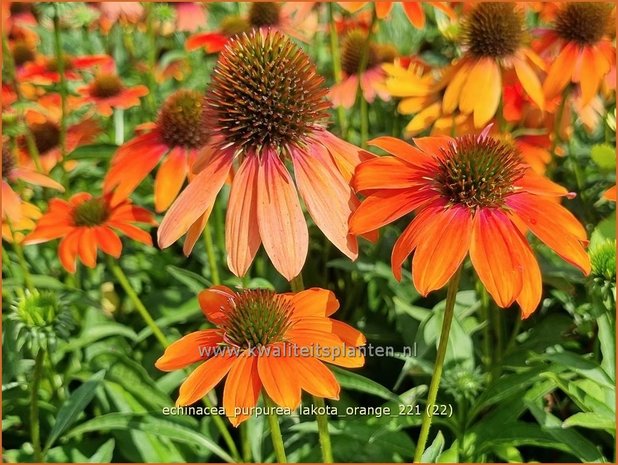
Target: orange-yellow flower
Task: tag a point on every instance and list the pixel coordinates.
(178, 133)
(86, 223)
(585, 53)
(106, 92)
(264, 341)
(494, 37)
(414, 10)
(471, 195)
(371, 79)
(44, 70)
(266, 109)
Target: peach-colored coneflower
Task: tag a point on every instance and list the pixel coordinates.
(585, 53)
(175, 138)
(266, 110)
(190, 16)
(472, 194)
(107, 91)
(371, 79)
(264, 342)
(494, 40)
(413, 10)
(85, 224)
(44, 70)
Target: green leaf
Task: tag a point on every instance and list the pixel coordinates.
(193, 281)
(155, 424)
(604, 155)
(93, 152)
(590, 420)
(432, 453)
(356, 382)
(105, 453)
(74, 405)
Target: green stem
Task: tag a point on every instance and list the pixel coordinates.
(361, 69)
(449, 311)
(487, 352)
(12, 79)
(336, 57)
(9, 263)
(324, 435)
(245, 442)
(152, 58)
(220, 424)
(35, 430)
(63, 83)
(19, 251)
(275, 431)
(297, 284)
(364, 120)
(118, 126)
(139, 306)
(212, 259)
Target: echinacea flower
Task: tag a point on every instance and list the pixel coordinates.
(85, 224)
(472, 194)
(266, 109)
(190, 16)
(585, 53)
(610, 194)
(44, 70)
(494, 40)
(413, 10)
(214, 42)
(371, 79)
(13, 172)
(106, 92)
(177, 136)
(264, 342)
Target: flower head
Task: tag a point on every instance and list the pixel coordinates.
(264, 341)
(472, 194)
(106, 92)
(86, 223)
(266, 109)
(175, 139)
(413, 10)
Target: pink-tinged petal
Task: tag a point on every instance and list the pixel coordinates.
(492, 251)
(189, 349)
(67, 250)
(328, 198)
(204, 378)
(195, 231)
(281, 222)
(561, 71)
(34, 177)
(199, 196)
(345, 155)
(343, 94)
(555, 226)
(170, 178)
(437, 259)
(108, 241)
(242, 238)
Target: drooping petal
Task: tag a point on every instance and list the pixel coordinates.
(349, 335)
(67, 250)
(242, 237)
(88, 248)
(530, 82)
(328, 198)
(11, 203)
(591, 74)
(532, 285)
(34, 177)
(414, 12)
(279, 380)
(281, 222)
(452, 94)
(437, 258)
(534, 183)
(170, 178)
(189, 349)
(108, 241)
(315, 377)
(561, 71)
(343, 94)
(131, 231)
(314, 302)
(242, 388)
(195, 231)
(482, 91)
(199, 195)
(204, 378)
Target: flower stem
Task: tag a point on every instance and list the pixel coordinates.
(324, 435)
(118, 126)
(19, 251)
(140, 307)
(212, 259)
(63, 83)
(297, 284)
(35, 430)
(336, 57)
(449, 311)
(152, 58)
(362, 67)
(275, 431)
(245, 442)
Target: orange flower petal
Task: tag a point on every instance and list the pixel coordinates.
(199, 195)
(212, 42)
(401, 150)
(481, 92)
(188, 349)
(433, 145)
(195, 231)
(555, 226)
(540, 185)
(414, 12)
(313, 302)
(494, 239)
(561, 71)
(34, 177)
(383, 9)
(281, 222)
(11, 203)
(215, 303)
(436, 260)
(204, 378)
(242, 238)
(67, 250)
(131, 231)
(279, 379)
(109, 242)
(88, 248)
(170, 178)
(532, 285)
(242, 388)
(530, 82)
(315, 377)
(384, 173)
(349, 335)
(328, 198)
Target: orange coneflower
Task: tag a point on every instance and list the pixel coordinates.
(263, 340)
(178, 133)
(414, 10)
(585, 53)
(123, 12)
(371, 79)
(44, 70)
(470, 194)
(292, 18)
(86, 223)
(494, 40)
(610, 194)
(106, 92)
(266, 109)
